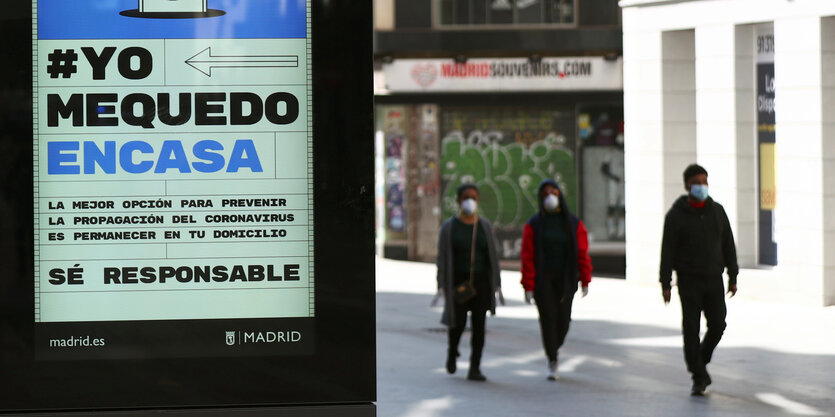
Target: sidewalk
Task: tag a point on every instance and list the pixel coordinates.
(623, 356)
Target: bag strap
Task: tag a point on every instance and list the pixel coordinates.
(472, 252)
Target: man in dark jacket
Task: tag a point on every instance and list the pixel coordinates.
(698, 244)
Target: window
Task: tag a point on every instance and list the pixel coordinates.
(506, 12)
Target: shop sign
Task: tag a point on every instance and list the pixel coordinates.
(503, 74)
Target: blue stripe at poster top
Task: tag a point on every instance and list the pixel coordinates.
(171, 19)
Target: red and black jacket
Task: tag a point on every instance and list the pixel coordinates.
(532, 248)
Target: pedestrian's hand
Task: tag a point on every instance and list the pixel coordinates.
(440, 294)
(585, 291)
(528, 296)
(500, 296)
(732, 290)
(667, 294)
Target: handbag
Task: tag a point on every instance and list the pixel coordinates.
(465, 291)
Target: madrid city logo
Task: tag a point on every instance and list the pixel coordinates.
(257, 337)
(172, 9)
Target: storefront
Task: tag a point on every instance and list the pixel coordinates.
(504, 124)
(702, 83)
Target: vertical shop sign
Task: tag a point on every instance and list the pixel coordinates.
(173, 167)
(766, 138)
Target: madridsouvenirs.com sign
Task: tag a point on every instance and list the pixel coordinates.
(172, 162)
(503, 74)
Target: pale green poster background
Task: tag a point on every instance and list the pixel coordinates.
(103, 230)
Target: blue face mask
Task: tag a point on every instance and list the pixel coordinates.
(699, 191)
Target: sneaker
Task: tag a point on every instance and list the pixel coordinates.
(450, 361)
(699, 387)
(552, 370)
(476, 375)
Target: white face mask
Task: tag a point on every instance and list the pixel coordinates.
(469, 206)
(551, 202)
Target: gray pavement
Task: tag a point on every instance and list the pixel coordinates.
(622, 357)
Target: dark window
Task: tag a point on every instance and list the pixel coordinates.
(599, 13)
(506, 12)
(411, 14)
(530, 11)
(500, 12)
(559, 11)
(447, 8)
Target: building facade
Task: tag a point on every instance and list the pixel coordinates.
(702, 80)
(503, 94)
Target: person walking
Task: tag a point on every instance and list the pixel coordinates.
(468, 277)
(554, 259)
(698, 244)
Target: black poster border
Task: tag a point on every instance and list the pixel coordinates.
(336, 366)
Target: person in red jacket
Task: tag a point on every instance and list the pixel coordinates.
(554, 259)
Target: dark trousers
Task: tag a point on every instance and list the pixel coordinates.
(701, 295)
(477, 307)
(554, 312)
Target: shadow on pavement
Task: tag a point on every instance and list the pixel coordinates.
(607, 367)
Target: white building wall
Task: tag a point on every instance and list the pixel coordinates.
(678, 108)
(644, 162)
(383, 14)
(828, 108)
(745, 121)
(716, 112)
(723, 138)
(799, 212)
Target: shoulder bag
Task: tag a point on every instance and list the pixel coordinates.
(465, 291)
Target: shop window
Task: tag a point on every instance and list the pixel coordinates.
(600, 133)
(506, 151)
(393, 123)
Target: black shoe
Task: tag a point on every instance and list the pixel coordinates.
(476, 375)
(699, 387)
(708, 381)
(450, 361)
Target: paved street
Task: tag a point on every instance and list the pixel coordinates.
(623, 356)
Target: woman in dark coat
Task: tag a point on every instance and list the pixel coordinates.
(454, 268)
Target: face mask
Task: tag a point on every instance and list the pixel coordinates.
(698, 191)
(551, 202)
(468, 206)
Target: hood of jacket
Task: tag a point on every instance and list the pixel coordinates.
(541, 201)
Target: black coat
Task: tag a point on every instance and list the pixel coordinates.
(698, 242)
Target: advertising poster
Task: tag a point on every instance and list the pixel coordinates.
(767, 139)
(173, 202)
